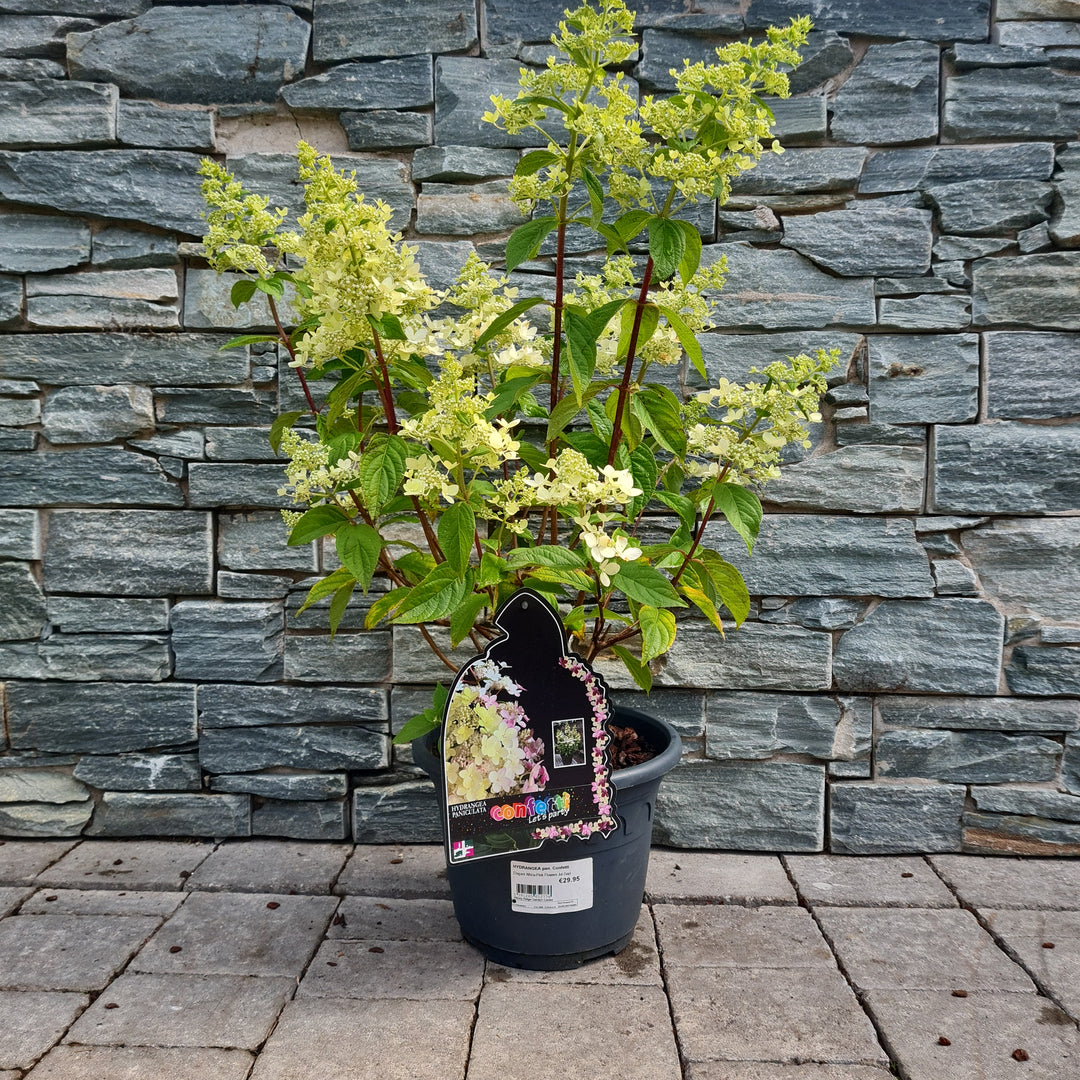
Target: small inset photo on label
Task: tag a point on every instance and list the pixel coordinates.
(569, 739)
(551, 888)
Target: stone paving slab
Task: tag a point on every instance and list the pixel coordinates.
(127, 864)
(785, 1015)
(101, 902)
(386, 917)
(771, 937)
(230, 1011)
(31, 1022)
(678, 877)
(621, 1032)
(1048, 945)
(418, 970)
(271, 866)
(368, 1040)
(912, 949)
(22, 860)
(756, 1070)
(996, 882)
(637, 964)
(983, 1030)
(68, 952)
(869, 881)
(239, 934)
(11, 898)
(406, 871)
(140, 1063)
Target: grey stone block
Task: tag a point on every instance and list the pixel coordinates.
(343, 30)
(409, 871)
(130, 551)
(352, 658)
(131, 813)
(879, 18)
(269, 866)
(1036, 238)
(240, 444)
(52, 112)
(711, 877)
(867, 882)
(755, 806)
(396, 813)
(97, 414)
(34, 243)
(959, 248)
(890, 97)
(803, 171)
(29, 70)
(930, 166)
(44, 819)
(233, 54)
(117, 247)
(169, 1063)
(261, 706)
(1031, 376)
(782, 290)
(322, 747)
(954, 578)
(441, 262)
(1028, 802)
(218, 405)
(100, 615)
(388, 84)
(1070, 766)
(141, 772)
(32, 1022)
(145, 123)
(386, 129)
(967, 757)
(925, 313)
(818, 613)
(19, 412)
(451, 163)
(22, 610)
(88, 657)
(227, 641)
(20, 534)
(868, 240)
(207, 304)
(1038, 34)
(258, 542)
(824, 56)
(211, 484)
(452, 210)
(463, 88)
(1010, 103)
(749, 725)
(31, 32)
(991, 207)
(100, 718)
(367, 918)
(663, 50)
(510, 23)
(40, 785)
(1006, 468)
(18, 440)
(102, 313)
(966, 57)
(941, 646)
(114, 359)
(924, 379)
(856, 478)
(1043, 672)
(156, 187)
(154, 285)
(731, 356)
(887, 819)
(285, 786)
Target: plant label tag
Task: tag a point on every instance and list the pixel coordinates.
(524, 741)
(551, 888)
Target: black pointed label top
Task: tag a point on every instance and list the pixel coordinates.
(524, 740)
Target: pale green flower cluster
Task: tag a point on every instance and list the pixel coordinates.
(238, 224)
(607, 552)
(311, 479)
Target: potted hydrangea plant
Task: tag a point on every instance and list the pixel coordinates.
(469, 443)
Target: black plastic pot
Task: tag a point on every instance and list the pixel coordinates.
(482, 890)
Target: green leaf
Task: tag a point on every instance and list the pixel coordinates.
(691, 258)
(601, 316)
(548, 102)
(358, 548)
(596, 195)
(567, 409)
(650, 319)
(247, 339)
(639, 672)
(686, 339)
(325, 586)
(382, 467)
(273, 287)
(457, 529)
(506, 397)
(559, 558)
(526, 239)
(492, 568)
(642, 583)
(728, 583)
(667, 245)
(434, 597)
(657, 631)
(416, 727)
(742, 509)
(576, 579)
(703, 604)
(644, 470)
(463, 617)
(599, 419)
(686, 510)
(241, 292)
(338, 605)
(610, 234)
(277, 428)
(497, 326)
(316, 522)
(385, 606)
(592, 446)
(581, 342)
(631, 223)
(534, 161)
(658, 409)
(388, 326)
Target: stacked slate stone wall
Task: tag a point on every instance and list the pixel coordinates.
(909, 679)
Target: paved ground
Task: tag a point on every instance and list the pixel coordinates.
(269, 960)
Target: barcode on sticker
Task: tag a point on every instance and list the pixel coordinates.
(551, 888)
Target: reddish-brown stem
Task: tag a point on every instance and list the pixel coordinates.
(384, 385)
(697, 536)
(436, 650)
(284, 337)
(628, 367)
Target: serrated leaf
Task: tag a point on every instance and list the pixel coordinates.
(526, 239)
(434, 597)
(241, 292)
(639, 672)
(316, 522)
(657, 631)
(667, 245)
(642, 583)
(644, 470)
(325, 586)
(457, 529)
(385, 606)
(534, 161)
(691, 258)
(273, 287)
(650, 319)
(728, 583)
(566, 410)
(492, 568)
(576, 579)
(278, 427)
(559, 558)
(581, 342)
(382, 467)
(507, 395)
(463, 617)
(358, 548)
(742, 509)
(416, 727)
(596, 195)
(498, 325)
(658, 409)
(338, 605)
(687, 340)
(388, 326)
(703, 604)
(630, 224)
